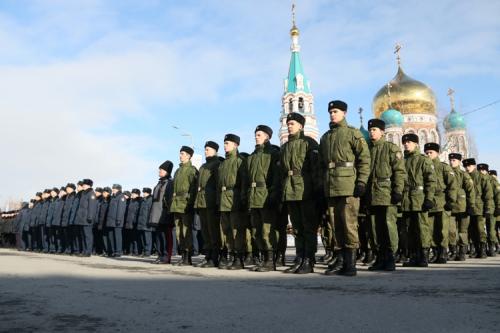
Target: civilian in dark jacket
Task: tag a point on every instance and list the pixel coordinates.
(143, 226)
(115, 220)
(85, 216)
(160, 218)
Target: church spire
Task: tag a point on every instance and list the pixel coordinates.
(297, 80)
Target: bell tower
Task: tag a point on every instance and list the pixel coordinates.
(297, 95)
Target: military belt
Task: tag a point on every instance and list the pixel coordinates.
(333, 165)
(383, 179)
(415, 188)
(179, 194)
(293, 172)
(258, 184)
(228, 188)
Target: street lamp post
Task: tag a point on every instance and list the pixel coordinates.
(185, 134)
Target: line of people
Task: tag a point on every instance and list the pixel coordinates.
(400, 206)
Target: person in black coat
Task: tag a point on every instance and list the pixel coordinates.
(115, 220)
(103, 215)
(75, 239)
(65, 228)
(21, 219)
(143, 227)
(85, 216)
(57, 215)
(131, 221)
(51, 237)
(42, 237)
(35, 216)
(96, 232)
(160, 218)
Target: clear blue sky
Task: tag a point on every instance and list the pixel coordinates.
(92, 88)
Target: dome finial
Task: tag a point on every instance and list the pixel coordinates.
(397, 48)
(294, 32)
(451, 94)
(360, 111)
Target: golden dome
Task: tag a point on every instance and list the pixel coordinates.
(406, 95)
(294, 31)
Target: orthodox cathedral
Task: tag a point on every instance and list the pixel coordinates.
(406, 105)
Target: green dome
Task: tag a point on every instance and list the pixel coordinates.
(392, 118)
(454, 121)
(365, 133)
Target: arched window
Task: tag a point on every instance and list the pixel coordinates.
(290, 106)
(301, 104)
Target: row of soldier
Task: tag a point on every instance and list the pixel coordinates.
(406, 204)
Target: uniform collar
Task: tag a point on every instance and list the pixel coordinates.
(262, 146)
(343, 123)
(232, 154)
(379, 142)
(411, 153)
(187, 164)
(295, 136)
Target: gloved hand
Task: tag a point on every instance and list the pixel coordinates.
(359, 190)
(427, 205)
(396, 198)
(497, 212)
(447, 206)
(487, 214)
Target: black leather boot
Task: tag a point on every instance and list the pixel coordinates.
(390, 262)
(414, 258)
(435, 254)
(453, 252)
(267, 264)
(491, 251)
(250, 260)
(237, 263)
(442, 255)
(306, 267)
(337, 264)
(349, 268)
(224, 261)
(424, 258)
(462, 251)
(379, 264)
(368, 259)
(481, 254)
(296, 264)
